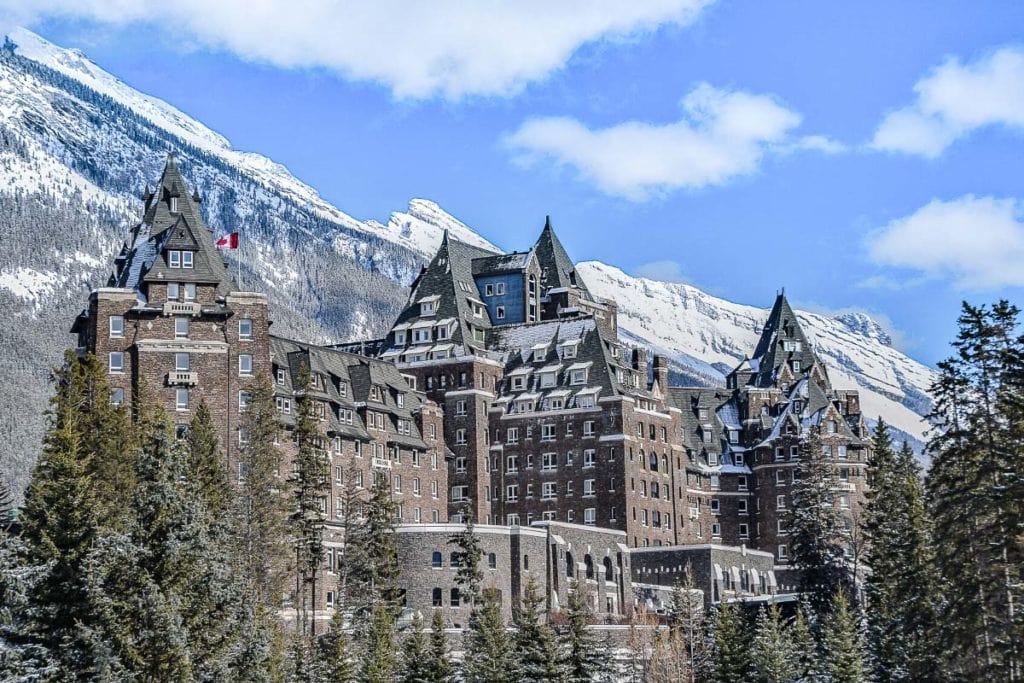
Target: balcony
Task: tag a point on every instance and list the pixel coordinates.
(193, 308)
(182, 378)
(380, 463)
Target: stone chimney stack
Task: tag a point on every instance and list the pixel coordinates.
(661, 373)
(640, 360)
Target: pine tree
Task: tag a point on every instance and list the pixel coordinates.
(536, 643)
(586, 659)
(415, 664)
(843, 645)
(378, 661)
(773, 656)
(335, 658)
(6, 506)
(816, 529)
(731, 660)
(686, 617)
(205, 462)
(806, 661)
(469, 575)
(488, 650)
(310, 489)
(22, 656)
(975, 494)
(441, 670)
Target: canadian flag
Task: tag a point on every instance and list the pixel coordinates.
(228, 241)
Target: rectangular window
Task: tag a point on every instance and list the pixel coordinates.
(460, 407)
(549, 490)
(512, 435)
(116, 361)
(116, 326)
(716, 529)
(741, 483)
(460, 465)
(589, 458)
(588, 487)
(499, 288)
(512, 493)
(590, 516)
(181, 399)
(780, 502)
(180, 327)
(578, 377)
(499, 312)
(243, 400)
(245, 329)
(512, 464)
(245, 364)
(782, 552)
(588, 428)
(117, 396)
(460, 437)
(186, 259)
(182, 362)
(174, 259)
(547, 432)
(190, 291)
(172, 291)
(744, 531)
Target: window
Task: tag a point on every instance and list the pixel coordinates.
(181, 399)
(841, 452)
(796, 366)
(117, 396)
(182, 362)
(780, 477)
(245, 364)
(460, 407)
(547, 380)
(116, 361)
(172, 291)
(489, 290)
(741, 507)
(588, 487)
(116, 326)
(741, 483)
(512, 464)
(186, 259)
(716, 529)
(590, 516)
(492, 561)
(245, 329)
(547, 432)
(435, 596)
(578, 377)
(280, 375)
(780, 502)
(243, 400)
(782, 552)
(396, 479)
(454, 598)
(180, 327)
(433, 489)
(589, 457)
(549, 461)
(588, 428)
(174, 259)
(460, 437)
(780, 526)
(190, 291)
(427, 308)
(512, 435)
(499, 312)
(716, 506)
(549, 490)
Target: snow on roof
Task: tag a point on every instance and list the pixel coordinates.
(579, 366)
(551, 368)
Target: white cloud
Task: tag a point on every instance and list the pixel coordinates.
(663, 271)
(418, 49)
(954, 100)
(978, 241)
(722, 134)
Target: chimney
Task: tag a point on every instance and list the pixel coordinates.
(640, 359)
(661, 373)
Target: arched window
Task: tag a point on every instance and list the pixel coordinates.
(609, 575)
(589, 562)
(436, 597)
(643, 458)
(454, 602)
(654, 461)
(654, 489)
(570, 567)
(492, 561)
(455, 560)
(664, 463)
(436, 559)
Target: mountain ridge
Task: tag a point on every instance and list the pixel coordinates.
(77, 145)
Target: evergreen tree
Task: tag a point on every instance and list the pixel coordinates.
(415, 664)
(379, 662)
(371, 563)
(536, 643)
(816, 529)
(843, 647)
(469, 575)
(441, 670)
(686, 617)
(488, 650)
(807, 666)
(773, 657)
(206, 465)
(975, 494)
(310, 489)
(335, 658)
(22, 657)
(731, 660)
(586, 659)
(6, 506)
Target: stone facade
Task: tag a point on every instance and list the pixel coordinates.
(720, 572)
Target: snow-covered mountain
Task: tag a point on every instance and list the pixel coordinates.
(77, 146)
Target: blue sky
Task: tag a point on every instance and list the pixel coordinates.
(864, 155)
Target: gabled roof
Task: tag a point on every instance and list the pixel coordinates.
(142, 259)
(502, 263)
(557, 269)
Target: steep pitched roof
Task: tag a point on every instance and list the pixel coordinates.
(771, 352)
(142, 260)
(557, 269)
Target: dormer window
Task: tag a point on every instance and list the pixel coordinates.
(442, 332)
(375, 393)
(174, 205)
(518, 383)
(547, 379)
(796, 366)
(400, 337)
(400, 399)
(428, 307)
(578, 376)
(186, 259)
(478, 311)
(569, 351)
(174, 258)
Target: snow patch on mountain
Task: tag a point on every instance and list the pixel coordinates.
(707, 336)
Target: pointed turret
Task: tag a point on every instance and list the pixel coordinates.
(783, 352)
(557, 269)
